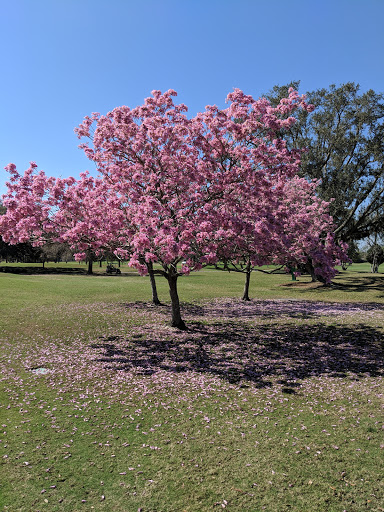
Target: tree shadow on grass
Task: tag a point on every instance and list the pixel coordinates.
(62, 271)
(240, 353)
(361, 284)
(276, 308)
(43, 270)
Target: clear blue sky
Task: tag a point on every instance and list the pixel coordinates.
(63, 59)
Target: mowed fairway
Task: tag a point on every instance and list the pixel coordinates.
(276, 404)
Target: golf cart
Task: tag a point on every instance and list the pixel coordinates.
(112, 270)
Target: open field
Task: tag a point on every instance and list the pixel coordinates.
(275, 405)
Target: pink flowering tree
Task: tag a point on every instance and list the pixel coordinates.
(270, 215)
(246, 159)
(194, 186)
(308, 230)
(28, 209)
(40, 209)
(257, 240)
(94, 219)
(148, 156)
(295, 231)
(85, 213)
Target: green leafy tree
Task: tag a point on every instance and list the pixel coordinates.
(375, 256)
(344, 137)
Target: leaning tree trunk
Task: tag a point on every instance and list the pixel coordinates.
(247, 280)
(177, 321)
(155, 298)
(310, 269)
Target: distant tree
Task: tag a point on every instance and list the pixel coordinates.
(354, 253)
(21, 253)
(57, 251)
(344, 137)
(375, 256)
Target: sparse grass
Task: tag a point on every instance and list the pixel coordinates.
(272, 405)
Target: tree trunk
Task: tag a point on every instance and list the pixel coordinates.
(375, 266)
(246, 284)
(176, 316)
(90, 267)
(155, 298)
(311, 270)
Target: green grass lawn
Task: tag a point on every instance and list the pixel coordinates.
(275, 405)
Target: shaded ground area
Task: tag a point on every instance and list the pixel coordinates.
(361, 284)
(42, 270)
(274, 308)
(224, 342)
(56, 270)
